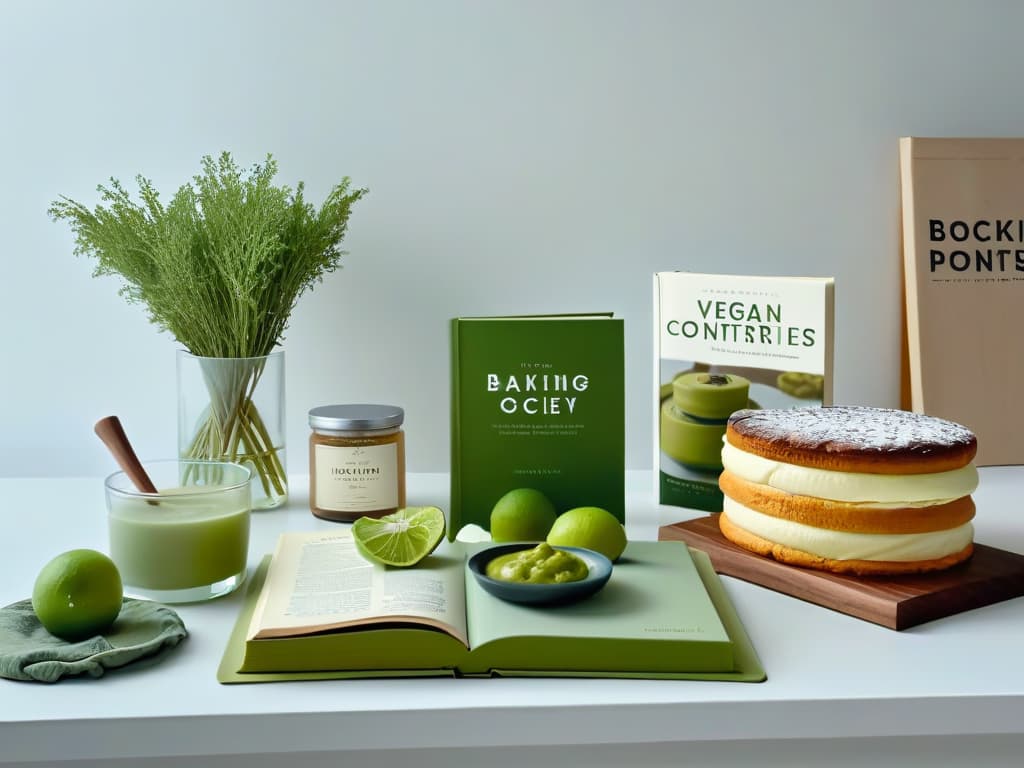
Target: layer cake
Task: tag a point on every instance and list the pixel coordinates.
(849, 489)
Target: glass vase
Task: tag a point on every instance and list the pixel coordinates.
(232, 409)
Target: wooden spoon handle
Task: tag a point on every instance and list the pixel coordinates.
(112, 434)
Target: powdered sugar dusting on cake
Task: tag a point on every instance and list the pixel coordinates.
(845, 429)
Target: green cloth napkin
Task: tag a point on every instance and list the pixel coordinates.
(29, 652)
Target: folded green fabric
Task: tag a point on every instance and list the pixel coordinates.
(29, 652)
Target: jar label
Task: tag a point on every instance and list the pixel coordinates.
(358, 479)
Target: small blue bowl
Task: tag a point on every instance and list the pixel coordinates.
(599, 567)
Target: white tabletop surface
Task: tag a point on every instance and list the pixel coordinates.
(830, 676)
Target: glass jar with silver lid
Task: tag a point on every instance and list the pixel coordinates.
(356, 460)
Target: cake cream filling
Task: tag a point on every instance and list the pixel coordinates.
(859, 487)
(842, 545)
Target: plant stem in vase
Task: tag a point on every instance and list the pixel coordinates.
(220, 267)
(232, 409)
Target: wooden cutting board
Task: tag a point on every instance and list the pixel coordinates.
(897, 602)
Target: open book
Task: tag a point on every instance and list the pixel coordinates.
(320, 610)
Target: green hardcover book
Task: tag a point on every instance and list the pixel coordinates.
(537, 402)
(319, 610)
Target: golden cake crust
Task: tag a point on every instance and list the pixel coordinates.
(845, 516)
(853, 439)
(747, 540)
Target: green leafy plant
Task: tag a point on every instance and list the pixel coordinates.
(220, 267)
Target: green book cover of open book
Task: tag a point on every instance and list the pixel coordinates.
(537, 402)
(318, 610)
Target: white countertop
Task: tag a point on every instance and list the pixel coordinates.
(829, 675)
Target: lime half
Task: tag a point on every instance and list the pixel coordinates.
(402, 538)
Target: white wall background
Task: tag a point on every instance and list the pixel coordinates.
(522, 156)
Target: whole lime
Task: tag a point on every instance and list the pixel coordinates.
(78, 594)
(591, 528)
(522, 514)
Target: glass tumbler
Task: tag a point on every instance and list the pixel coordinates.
(190, 541)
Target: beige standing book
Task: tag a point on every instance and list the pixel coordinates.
(963, 259)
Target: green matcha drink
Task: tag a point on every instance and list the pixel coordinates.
(188, 537)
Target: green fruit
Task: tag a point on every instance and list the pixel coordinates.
(808, 386)
(78, 594)
(400, 539)
(591, 528)
(522, 514)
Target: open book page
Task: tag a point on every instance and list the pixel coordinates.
(319, 581)
(653, 615)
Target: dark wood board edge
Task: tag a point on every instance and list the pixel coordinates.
(1003, 579)
(897, 603)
